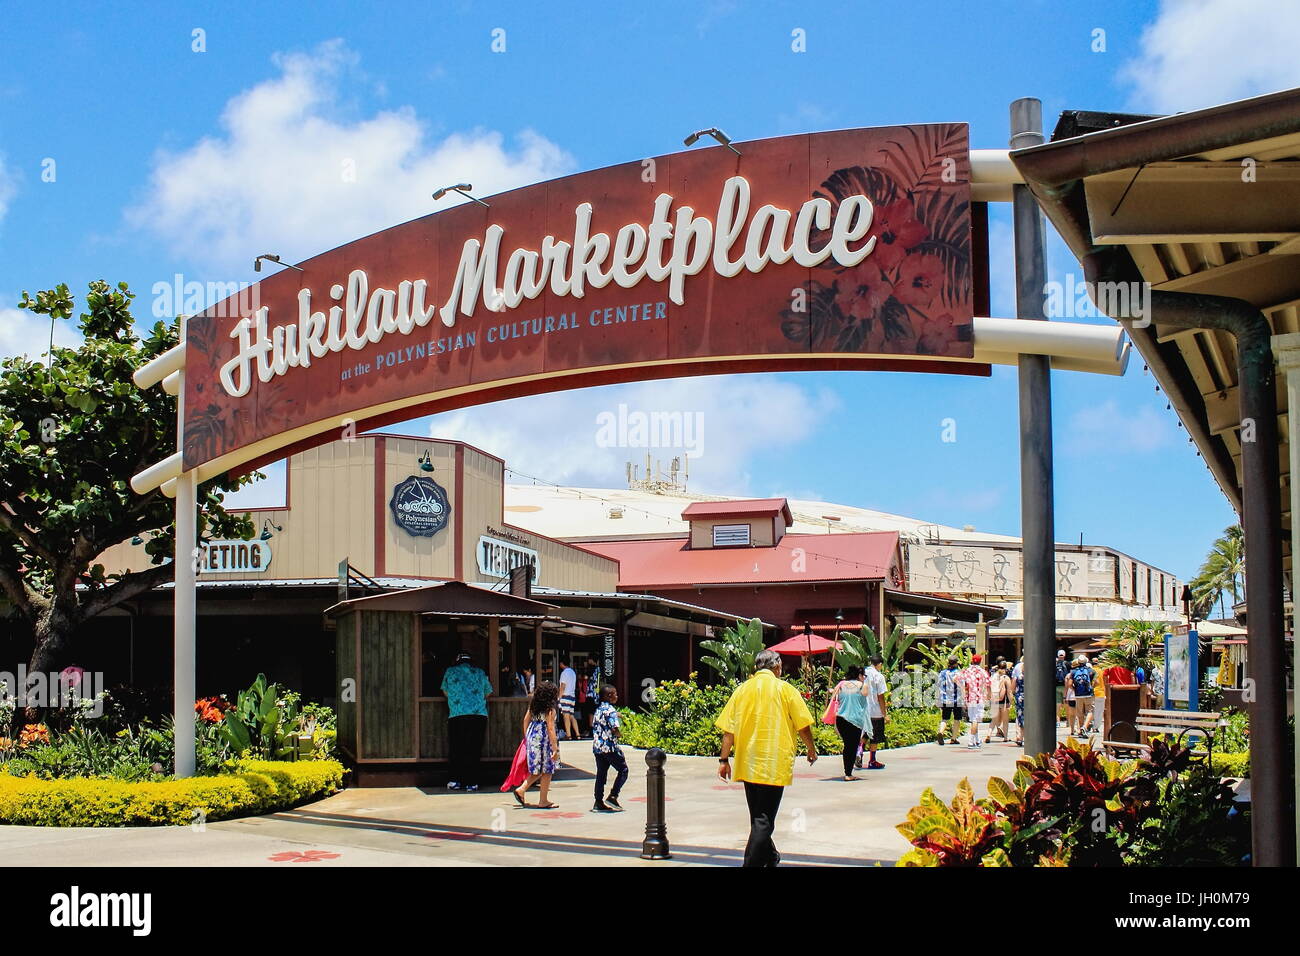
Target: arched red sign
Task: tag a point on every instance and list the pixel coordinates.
(849, 249)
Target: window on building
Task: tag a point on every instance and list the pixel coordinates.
(730, 535)
(441, 639)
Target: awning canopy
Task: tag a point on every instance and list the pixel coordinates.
(1202, 202)
(449, 598)
(935, 606)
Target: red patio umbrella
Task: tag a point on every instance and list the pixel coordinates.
(805, 645)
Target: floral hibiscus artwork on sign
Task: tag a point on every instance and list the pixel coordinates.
(911, 295)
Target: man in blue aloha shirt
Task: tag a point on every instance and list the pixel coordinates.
(604, 744)
(467, 689)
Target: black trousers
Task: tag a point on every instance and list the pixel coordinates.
(465, 743)
(851, 734)
(764, 801)
(603, 763)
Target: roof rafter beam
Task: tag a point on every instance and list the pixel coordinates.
(1235, 204)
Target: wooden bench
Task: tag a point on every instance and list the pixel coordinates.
(1178, 723)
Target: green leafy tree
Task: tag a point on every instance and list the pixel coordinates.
(72, 433)
(732, 657)
(1224, 572)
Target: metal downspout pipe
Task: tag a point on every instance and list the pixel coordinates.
(1272, 830)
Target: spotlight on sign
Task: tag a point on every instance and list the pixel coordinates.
(716, 133)
(426, 461)
(267, 525)
(462, 188)
(271, 257)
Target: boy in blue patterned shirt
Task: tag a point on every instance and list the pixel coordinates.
(604, 744)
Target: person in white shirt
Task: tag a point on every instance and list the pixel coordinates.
(568, 699)
(876, 689)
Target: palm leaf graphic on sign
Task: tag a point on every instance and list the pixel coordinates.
(922, 155)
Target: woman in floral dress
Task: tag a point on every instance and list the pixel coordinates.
(539, 740)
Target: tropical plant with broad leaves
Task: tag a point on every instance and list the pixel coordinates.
(964, 833)
(732, 655)
(865, 645)
(1076, 807)
(936, 655)
(262, 722)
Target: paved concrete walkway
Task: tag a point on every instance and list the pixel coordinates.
(824, 820)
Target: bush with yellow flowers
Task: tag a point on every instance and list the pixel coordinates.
(246, 787)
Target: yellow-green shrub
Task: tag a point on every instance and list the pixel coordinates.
(1231, 765)
(250, 787)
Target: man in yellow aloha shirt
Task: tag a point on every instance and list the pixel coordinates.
(761, 723)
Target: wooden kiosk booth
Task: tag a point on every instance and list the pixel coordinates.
(391, 653)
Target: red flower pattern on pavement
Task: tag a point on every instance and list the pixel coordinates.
(307, 856)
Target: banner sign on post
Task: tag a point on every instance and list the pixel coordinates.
(1182, 671)
(840, 250)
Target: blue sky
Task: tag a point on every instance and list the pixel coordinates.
(168, 160)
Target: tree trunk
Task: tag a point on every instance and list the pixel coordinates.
(51, 633)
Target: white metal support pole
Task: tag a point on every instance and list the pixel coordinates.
(1287, 350)
(183, 600)
(183, 595)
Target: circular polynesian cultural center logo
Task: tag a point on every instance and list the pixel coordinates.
(420, 507)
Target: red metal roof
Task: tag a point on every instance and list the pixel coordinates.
(796, 559)
(750, 507)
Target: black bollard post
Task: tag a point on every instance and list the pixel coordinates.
(655, 844)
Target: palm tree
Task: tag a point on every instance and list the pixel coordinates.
(1131, 645)
(1224, 570)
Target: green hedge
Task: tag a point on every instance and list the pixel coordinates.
(250, 787)
(681, 721)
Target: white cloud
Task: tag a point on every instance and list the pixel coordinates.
(1107, 429)
(23, 333)
(555, 437)
(1199, 53)
(276, 179)
(8, 187)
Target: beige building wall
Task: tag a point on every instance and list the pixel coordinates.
(994, 573)
(330, 517)
(406, 555)
(338, 492)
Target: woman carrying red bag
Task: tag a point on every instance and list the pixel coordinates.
(847, 710)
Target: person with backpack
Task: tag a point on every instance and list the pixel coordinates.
(1081, 684)
(1062, 670)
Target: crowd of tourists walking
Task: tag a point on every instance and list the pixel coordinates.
(763, 722)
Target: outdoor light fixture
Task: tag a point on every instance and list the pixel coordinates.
(267, 525)
(462, 188)
(137, 541)
(839, 617)
(426, 461)
(270, 257)
(716, 133)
